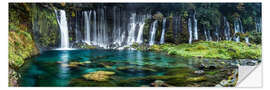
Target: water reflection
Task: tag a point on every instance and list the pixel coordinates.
(63, 68)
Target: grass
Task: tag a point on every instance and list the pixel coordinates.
(211, 49)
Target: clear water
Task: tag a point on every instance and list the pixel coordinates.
(51, 68)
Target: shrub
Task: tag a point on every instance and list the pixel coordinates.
(172, 52)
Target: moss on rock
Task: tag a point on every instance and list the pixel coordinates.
(20, 41)
(98, 76)
(211, 49)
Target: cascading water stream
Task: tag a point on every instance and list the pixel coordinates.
(132, 28)
(205, 33)
(78, 33)
(209, 35)
(236, 30)
(217, 34)
(227, 29)
(101, 30)
(247, 40)
(87, 19)
(116, 27)
(140, 33)
(94, 28)
(62, 22)
(258, 24)
(153, 33)
(195, 27)
(163, 31)
(190, 30)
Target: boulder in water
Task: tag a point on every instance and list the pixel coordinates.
(196, 79)
(159, 83)
(199, 72)
(99, 75)
(76, 64)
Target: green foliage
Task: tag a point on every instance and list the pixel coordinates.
(209, 49)
(155, 48)
(146, 29)
(21, 46)
(158, 16)
(47, 28)
(255, 37)
(20, 42)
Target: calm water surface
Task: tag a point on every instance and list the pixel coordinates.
(132, 68)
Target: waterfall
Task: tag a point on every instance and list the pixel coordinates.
(195, 27)
(258, 25)
(236, 30)
(62, 22)
(94, 28)
(209, 35)
(78, 33)
(101, 34)
(190, 31)
(247, 40)
(242, 30)
(227, 29)
(163, 31)
(127, 27)
(153, 33)
(140, 33)
(205, 33)
(132, 28)
(116, 26)
(217, 34)
(87, 19)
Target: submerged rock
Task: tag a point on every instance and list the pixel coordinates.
(135, 69)
(248, 62)
(159, 83)
(197, 79)
(107, 64)
(76, 64)
(85, 83)
(199, 72)
(98, 76)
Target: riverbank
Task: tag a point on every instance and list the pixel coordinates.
(211, 49)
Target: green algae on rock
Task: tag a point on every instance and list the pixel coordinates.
(99, 75)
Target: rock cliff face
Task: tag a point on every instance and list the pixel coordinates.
(20, 40)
